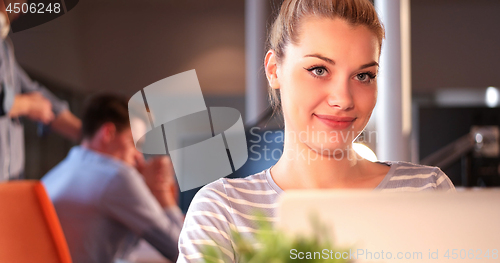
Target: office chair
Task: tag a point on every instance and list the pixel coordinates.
(29, 228)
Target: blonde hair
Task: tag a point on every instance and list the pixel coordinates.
(286, 26)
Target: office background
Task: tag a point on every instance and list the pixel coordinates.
(123, 46)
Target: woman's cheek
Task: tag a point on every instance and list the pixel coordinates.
(367, 98)
(374, 98)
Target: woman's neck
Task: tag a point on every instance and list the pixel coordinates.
(301, 167)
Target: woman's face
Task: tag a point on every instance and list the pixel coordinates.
(327, 83)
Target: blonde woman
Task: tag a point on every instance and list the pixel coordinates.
(321, 67)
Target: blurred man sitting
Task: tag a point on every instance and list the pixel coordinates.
(100, 195)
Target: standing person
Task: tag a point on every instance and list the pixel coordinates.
(322, 62)
(22, 97)
(104, 192)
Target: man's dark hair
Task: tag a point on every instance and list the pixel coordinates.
(104, 108)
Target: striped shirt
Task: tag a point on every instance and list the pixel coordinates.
(228, 204)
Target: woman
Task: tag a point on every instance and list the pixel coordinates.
(322, 62)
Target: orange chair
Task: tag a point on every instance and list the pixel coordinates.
(30, 231)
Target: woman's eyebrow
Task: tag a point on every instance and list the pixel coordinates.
(373, 63)
(322, 58)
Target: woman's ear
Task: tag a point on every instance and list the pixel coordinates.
(271, 67)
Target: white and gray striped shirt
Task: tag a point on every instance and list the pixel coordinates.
(231, 204)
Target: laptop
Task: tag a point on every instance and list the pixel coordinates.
(399, 227)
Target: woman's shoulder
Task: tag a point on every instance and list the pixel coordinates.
(402, 165)
(226, 189)
(406, 176)
(236, 200)
(225, 205)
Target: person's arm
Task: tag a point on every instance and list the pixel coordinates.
(32, 105)
(128, 200)
(67, 125)
(58, 114)
(13, 104)
(207, 225)
(159, 175)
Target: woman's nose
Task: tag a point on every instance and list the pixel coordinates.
(340, 96)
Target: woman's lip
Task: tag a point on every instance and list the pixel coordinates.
(336, 122)
(335, 118)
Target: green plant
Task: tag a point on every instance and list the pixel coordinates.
(275, 246)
